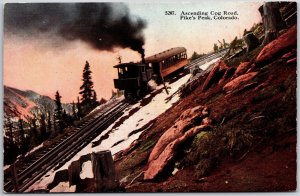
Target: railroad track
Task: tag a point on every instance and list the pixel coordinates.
(202, 60)
(66, 148)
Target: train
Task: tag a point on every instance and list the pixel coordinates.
(133, 78)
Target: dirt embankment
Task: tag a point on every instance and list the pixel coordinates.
(251, 145)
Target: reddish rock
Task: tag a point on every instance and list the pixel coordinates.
(288, 55)
(239, 81)
(206, 121)
(242, 68)
(279, 45)
(293, 60)
(165, 149)
(229, 72)
(215, 74)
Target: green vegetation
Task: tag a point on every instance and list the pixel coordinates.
(149, 144)
(23, 136)
(88, 95)
(195, 55)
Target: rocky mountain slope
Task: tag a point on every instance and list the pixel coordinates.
(24, 104)
(236, 131)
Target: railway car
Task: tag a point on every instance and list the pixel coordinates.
(133, 78)
(167, 62)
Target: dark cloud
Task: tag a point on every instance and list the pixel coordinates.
(103, 26)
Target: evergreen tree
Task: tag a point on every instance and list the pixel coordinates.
(95, 102)
(225, 44)
(10, 133)
(221, 45)
(49, 122)
(34, 132)
(11, 151)
(74, 112)
(194, 56)
(86, 89)
(54, 123)
(43, 129)
(59, 112)
(21, 132)
(216, 48)
(65, 117)
(23, 141)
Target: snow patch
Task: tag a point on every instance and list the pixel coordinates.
(34, 149)
(43, 182)
(62, 187)
(207, 64)
(86, 171)
(6, 167)
(144, 115)
(108, 103)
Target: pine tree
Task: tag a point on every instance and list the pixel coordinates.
(11, 151)
(86, 89)
(54, 123)
(33, 131)
(59, 112)
(10, 133)
(216, 47)
(49, 122)
(95, 102)
(21, 132)
(74, 113)
(221, 45)
(23, 142)
(225, 44)
(65, 117)
(194, 56)
(43, 129)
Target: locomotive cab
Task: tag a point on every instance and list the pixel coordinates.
(133, 78)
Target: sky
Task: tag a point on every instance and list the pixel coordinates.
(46, 65)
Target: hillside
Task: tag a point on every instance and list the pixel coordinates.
(233, 130)
(24, 104)
(236, 131)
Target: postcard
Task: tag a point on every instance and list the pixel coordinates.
(149, 97)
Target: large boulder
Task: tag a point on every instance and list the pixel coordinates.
(278, 46)
(228, 74)
(215, 74)
(239, 81)
(241, 69)
(190, 123)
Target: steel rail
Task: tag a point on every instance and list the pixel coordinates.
(70, 150)
(201, 59)
(88, 128)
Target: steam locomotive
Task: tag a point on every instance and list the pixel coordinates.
(133, 78)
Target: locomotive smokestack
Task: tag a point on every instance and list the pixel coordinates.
(143, 55)
(104, 26)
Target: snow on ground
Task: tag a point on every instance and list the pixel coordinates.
(34, 149)
(5, 167)
(108, 103)
(145, 114)
(207, 64)
(62, 186)
(86, 171)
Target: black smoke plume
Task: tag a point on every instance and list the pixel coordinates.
(103, 26)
